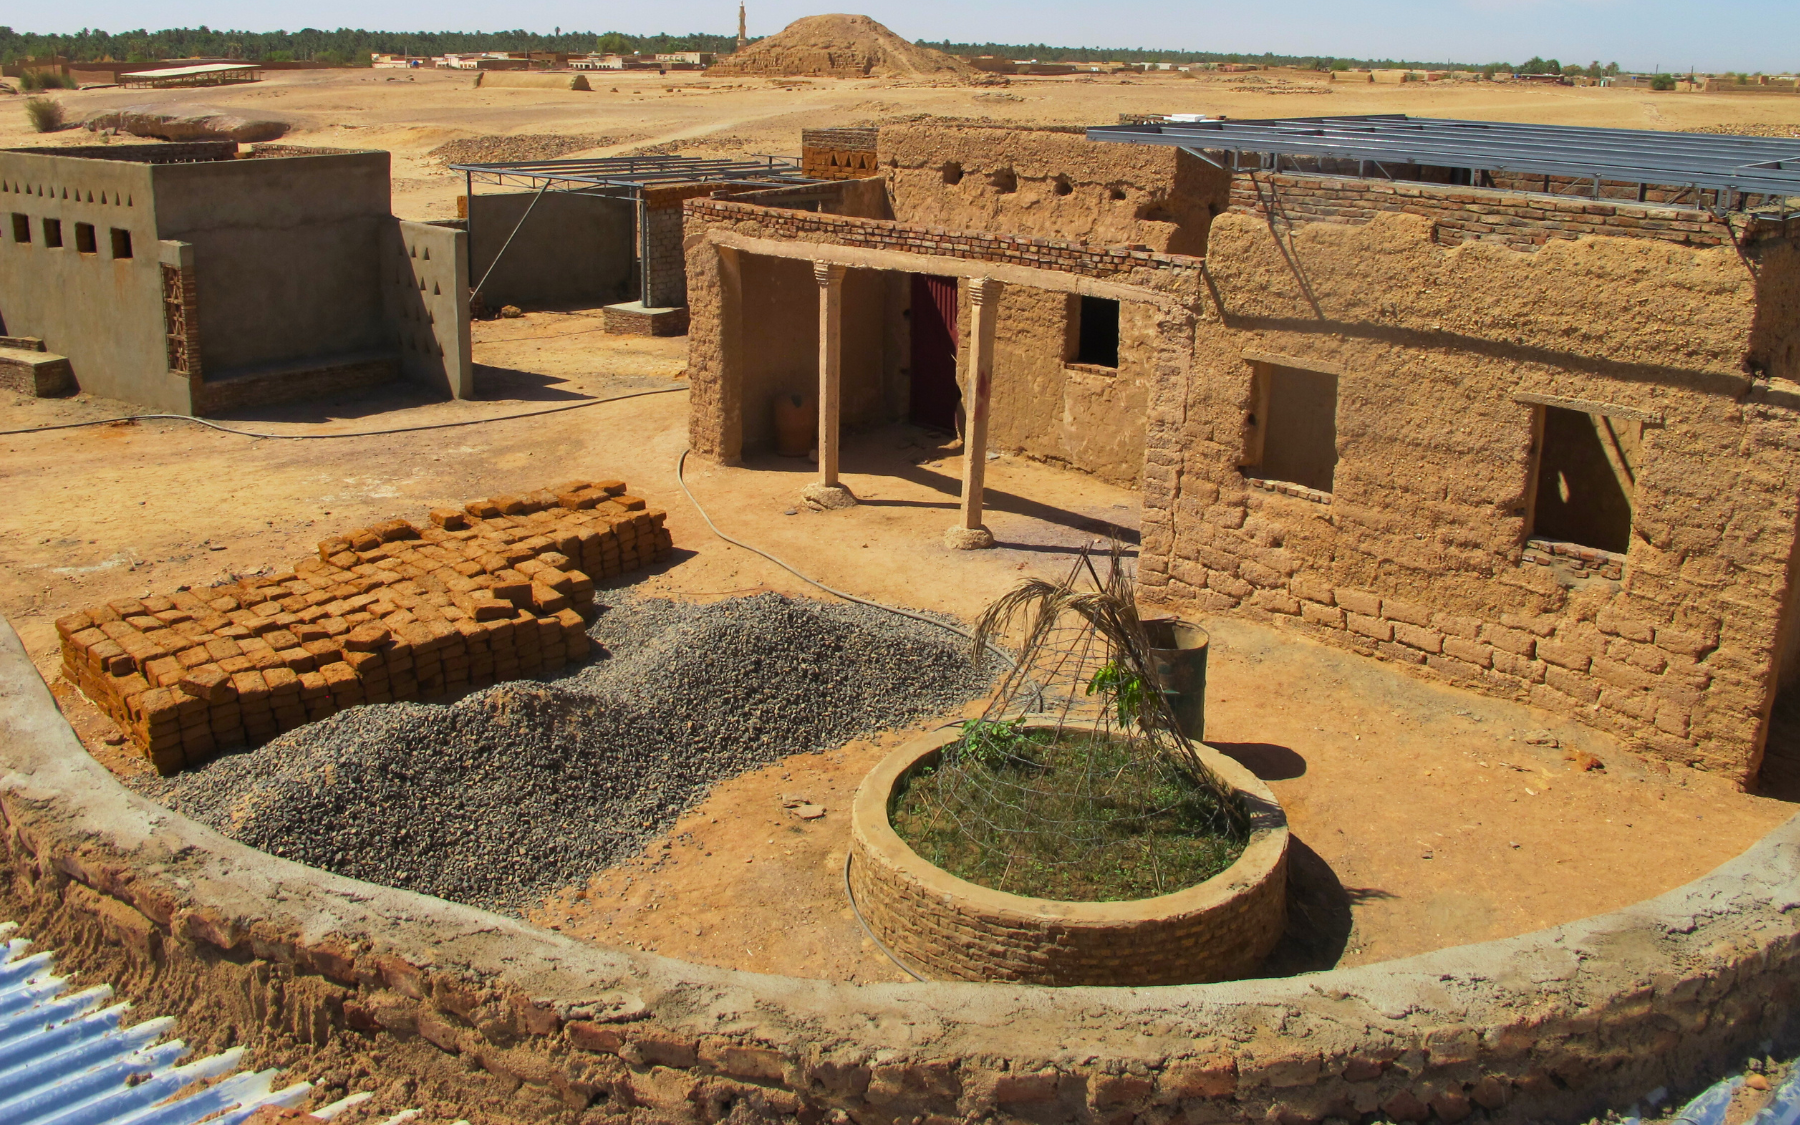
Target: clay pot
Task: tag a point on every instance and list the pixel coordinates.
(796, 424)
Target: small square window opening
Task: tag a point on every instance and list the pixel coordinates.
(121, 243)
(1097, 332)
(1292, 427)
(84, 238)
(1586, 479)
(53, 233)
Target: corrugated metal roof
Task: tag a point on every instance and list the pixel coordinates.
(67, 1058)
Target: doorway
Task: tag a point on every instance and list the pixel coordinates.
(935, 396)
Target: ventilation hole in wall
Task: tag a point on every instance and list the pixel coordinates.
(952, 172)
(90, 197)
(128, 202)
(427, 254)
(1155, 212)
(421, 285)
(1115, 193)
(429, 319)
(435, 291)
(1005, 181)
(413, 251)
(1062, 186)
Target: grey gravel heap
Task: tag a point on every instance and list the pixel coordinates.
(514, 791)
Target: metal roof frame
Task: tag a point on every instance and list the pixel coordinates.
(1767, 166)
(628, 176)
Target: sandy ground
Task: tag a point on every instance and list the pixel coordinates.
(410, 113)
(1421, 817)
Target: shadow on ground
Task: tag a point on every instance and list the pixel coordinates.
(1319, 918)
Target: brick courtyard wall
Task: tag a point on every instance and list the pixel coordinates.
(1462, 214)
(838, 154)
(1419, 553)
(662, 252)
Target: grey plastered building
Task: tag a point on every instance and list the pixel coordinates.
(195, 278)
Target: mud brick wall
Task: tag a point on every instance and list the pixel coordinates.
(1461, 214)
(494, 591)
(662, 252)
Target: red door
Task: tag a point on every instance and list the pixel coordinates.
(935, 395)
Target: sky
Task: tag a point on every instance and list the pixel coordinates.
(1715, 35)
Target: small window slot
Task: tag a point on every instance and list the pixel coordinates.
(1293, 427)
(53, 233)
(85, 242)
(1097, 332)
(121, 243)
(21, 225)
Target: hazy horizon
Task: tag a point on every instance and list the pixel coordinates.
(1638, 34)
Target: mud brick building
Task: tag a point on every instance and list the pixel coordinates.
(1517, 406)
(198, 278)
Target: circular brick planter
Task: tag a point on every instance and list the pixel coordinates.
(953, 929)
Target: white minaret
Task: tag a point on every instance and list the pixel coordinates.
(743, 38)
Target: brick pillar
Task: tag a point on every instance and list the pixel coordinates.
(827, 491)
(984, 301)
(181, 319)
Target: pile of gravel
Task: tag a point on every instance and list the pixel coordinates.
(521, 146)
(512, 792)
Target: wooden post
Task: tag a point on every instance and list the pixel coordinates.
(828, 491)
(984, 302)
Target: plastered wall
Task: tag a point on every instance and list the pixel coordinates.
(1416, 554)
(573, 249)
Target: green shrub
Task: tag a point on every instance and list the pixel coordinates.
(1662, 82)
(45, 114)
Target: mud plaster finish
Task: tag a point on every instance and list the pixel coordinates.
(1416, 556)
(476, 1015)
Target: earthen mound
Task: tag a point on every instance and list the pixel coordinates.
(842, 46)
(188, 123)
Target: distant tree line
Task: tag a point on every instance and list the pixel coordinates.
(1043, 52)
(345, 46)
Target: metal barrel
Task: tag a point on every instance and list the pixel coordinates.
(1178, 658)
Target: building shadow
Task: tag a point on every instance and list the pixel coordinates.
(526, 386)
(384, 398)
(1320, 915)
(1779, 775)
(1266, 760)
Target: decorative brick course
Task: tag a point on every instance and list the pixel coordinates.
(393, 612)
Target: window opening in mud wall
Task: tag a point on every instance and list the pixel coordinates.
(1096, 332)
(121, 243)
(1292, 427)
(1586, 478)
(21, 227)
(84, 238)
(53, 233)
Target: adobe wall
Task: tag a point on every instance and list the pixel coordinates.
(1416, 556)
(103, 313)
(1065, 186)
(286, 252)
(471, 1015)
(574, 249)
(425, 287)
(1049, 408)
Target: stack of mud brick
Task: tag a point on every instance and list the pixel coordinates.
(497, 590)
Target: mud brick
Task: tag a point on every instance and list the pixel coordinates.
(577, 645)
(332, 545)
(334, 626)
(71, 624)
(344, 560)
(366, 637)
(279, 639)
(222, 603)
(449, 518)
(508, 505)
(282, 682)
(289, 717)
(209, 682)
(163, 671)
(197, 743)
(629, 503)
(323, 652)
(167, 760)
(88, 638)
(580, 587)
(482, 605)
(142, 622)
(313, 685)
(546, 599)
(362, 663)
(610, 487)
(158, 706)
(511, 586)
(578, 498)
(395, 530)
(237, 664)
(251, 688)
(482, 509)
(223, 648)
(320, 708)
(126, 607)
(338, 673)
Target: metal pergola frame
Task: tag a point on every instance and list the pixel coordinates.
(620, 177)
(1731, 166)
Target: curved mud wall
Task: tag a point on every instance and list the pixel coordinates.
(1221, 929)
(475, 1015)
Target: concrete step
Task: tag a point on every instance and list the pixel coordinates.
(35, 372)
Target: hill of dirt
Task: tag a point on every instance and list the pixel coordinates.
(841, 46)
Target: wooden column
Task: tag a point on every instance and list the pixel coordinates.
(828, 491)
(984, 304)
